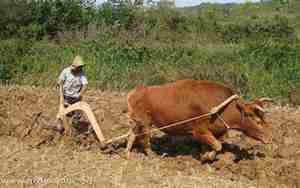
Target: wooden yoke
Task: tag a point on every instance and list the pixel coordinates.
(216, 109)
(84, 107)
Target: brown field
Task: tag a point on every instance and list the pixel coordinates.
(34, 156)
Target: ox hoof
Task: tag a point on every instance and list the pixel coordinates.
(128, 155)
(209, 156)
(103, 146)
(107, 149)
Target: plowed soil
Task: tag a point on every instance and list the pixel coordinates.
(34, 155)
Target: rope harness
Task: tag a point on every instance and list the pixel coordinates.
(204, 116)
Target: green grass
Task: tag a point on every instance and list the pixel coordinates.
(259, 69)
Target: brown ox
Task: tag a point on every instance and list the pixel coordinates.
(181, 100)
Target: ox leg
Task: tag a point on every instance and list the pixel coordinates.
(208, 138)
(139, 134)
(134, 137)
(130, 141)
(146, 139)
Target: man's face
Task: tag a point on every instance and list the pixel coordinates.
(77, 70)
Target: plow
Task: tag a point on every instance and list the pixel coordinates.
(85, 108)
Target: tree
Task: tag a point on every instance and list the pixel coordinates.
(13, 14)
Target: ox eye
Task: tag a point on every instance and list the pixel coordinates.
(255, 118)
(249, 114)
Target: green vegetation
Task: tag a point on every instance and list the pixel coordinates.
(254, 48)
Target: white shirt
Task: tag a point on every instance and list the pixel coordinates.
(72, 84)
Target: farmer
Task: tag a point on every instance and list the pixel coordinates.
(73, 83)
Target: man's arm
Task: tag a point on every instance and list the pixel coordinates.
(61, 79)
(60, 84)
(84, 86)
(83, 90)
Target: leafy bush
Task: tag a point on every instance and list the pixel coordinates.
(38, 18)
(10, 52)
(258, 29)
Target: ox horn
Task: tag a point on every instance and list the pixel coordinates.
(256, 106)
(266, 99)
(260, 108)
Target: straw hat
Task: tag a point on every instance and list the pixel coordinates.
(77, 62)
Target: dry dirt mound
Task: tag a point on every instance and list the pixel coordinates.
(25, 114)
(28, 114)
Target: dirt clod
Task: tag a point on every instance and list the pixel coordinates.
(287, 151)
